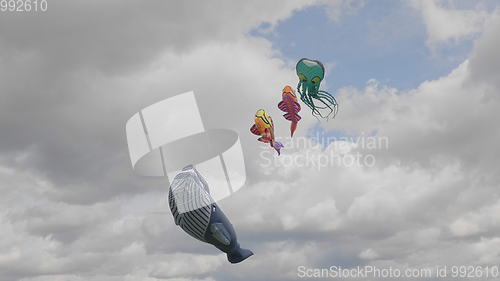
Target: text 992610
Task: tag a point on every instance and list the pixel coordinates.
(23, 6)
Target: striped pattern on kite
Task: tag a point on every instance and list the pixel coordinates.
(190, 205)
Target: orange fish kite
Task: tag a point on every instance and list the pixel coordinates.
(264, 128)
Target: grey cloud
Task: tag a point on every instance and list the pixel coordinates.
(121, 35)
(63, 140)
(87, 69)
(484, 61)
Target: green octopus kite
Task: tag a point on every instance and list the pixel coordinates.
(311, 73)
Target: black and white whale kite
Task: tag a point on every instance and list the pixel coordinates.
(196, 213)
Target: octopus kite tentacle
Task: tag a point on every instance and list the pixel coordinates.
(331, 100)
(308, 100)
(303, 96)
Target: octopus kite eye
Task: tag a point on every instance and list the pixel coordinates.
(316, 80)
(302, 77)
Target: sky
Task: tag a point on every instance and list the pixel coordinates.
(422, 76)
(366, 44)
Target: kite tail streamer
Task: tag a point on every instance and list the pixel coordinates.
(293, 127)
(277, 145)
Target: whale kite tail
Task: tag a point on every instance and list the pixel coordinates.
(238, 254)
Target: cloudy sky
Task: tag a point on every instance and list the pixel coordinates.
(422, 74)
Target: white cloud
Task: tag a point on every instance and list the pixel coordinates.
(462, 227)
(368, 254)
(485, 221)
(338, 8)
(180, 265)
(484, 59)
(445, 24)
